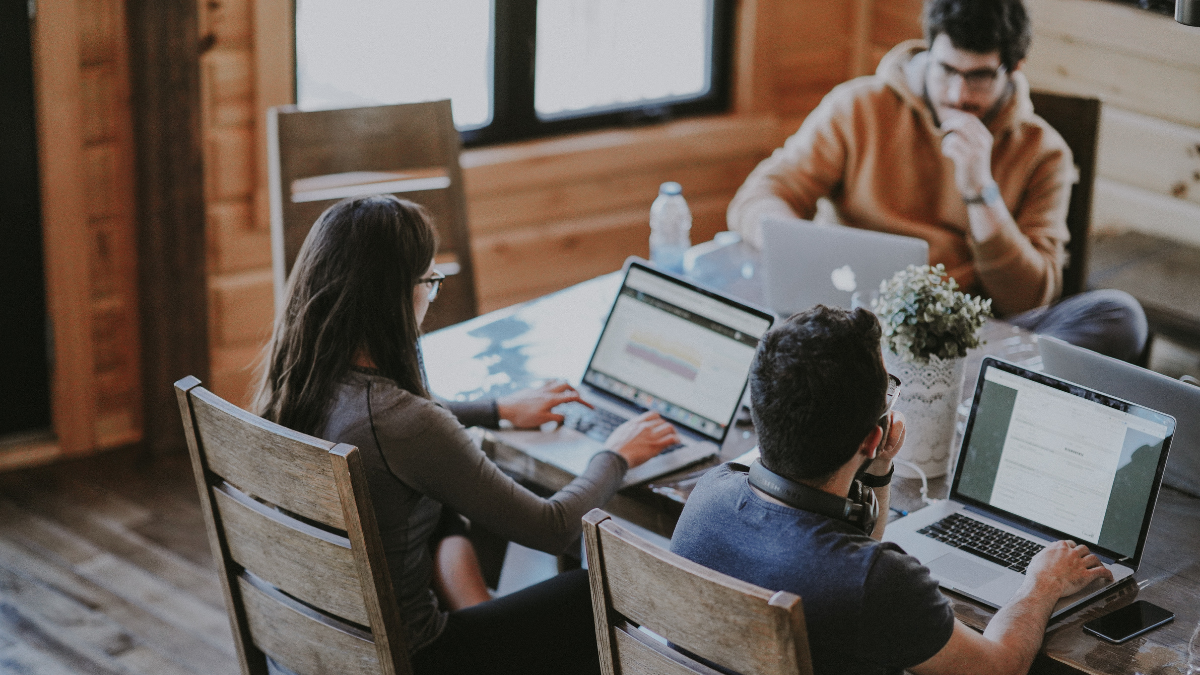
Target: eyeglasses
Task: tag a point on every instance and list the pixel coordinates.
(435, 284)
(980, 79)
(893, 393)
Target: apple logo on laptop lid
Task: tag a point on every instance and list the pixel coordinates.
(843, 279)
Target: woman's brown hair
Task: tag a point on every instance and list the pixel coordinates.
(350, 292)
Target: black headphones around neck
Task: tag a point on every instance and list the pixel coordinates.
(860, 510)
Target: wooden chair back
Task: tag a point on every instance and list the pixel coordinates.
(736, 625)
(292, 529)
(1077, 119)
(317, 158)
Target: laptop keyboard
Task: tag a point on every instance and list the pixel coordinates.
(596, 423)
(983, 540)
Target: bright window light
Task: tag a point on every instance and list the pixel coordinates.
(610, 54)
(375, 52)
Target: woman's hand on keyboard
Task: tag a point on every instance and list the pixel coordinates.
(642, 437)
(531, 408)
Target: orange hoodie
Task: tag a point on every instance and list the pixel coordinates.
(872, 148)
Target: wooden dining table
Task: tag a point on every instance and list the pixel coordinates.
(553, 337)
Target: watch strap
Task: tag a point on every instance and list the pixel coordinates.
(988, 196)
(872, 481)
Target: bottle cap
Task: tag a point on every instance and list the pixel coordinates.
(670, 188)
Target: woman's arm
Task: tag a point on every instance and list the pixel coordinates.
(427, 449)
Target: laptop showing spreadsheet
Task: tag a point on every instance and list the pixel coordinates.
(667, 345)
(1042, 459)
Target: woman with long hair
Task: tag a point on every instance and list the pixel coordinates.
(344, 364)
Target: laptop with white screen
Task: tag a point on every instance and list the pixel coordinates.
(1127, 381)
(1042, 459)
(806, 264)
(670, 346)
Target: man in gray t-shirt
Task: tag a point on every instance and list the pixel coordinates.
(800, 519)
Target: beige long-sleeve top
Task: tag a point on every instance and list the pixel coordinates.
(419, 457)
(873, 149)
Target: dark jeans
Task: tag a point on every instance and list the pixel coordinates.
(1106, 321)
(546, 628)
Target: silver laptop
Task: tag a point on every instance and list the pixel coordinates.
(1042, 459)
(1127, 381)
(670, 346)
(806, 264)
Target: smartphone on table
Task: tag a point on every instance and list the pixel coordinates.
(1128, 622)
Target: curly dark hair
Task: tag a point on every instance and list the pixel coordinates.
(982, 26)
(817, 388)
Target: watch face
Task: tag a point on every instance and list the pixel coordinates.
(990, 194)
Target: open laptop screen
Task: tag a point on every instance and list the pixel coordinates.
(682, 351)
(1070, 461)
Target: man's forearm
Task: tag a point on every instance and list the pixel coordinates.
(884, 496)
(1020, 626)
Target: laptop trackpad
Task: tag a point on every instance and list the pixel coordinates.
(963, 571)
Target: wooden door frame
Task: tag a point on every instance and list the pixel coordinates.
(58, 97)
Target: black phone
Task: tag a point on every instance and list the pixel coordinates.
(1128, 622)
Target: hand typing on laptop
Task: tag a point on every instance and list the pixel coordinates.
(533, 407)
(642, 437)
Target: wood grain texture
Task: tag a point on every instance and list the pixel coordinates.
(390, 138)
(57, 86)
(1124, 207)
(727, 621)
(301, 560)
(267, 463)
(1151, 154)
(165, 66)
(301, 639)
(249, 657)
(377, 592)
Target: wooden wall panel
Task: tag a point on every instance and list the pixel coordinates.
(238, 246)
(85, 137)
(1146, 70)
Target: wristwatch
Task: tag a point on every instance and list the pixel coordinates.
(989, 196)
(872, 481)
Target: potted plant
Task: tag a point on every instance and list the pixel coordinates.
(928, 326)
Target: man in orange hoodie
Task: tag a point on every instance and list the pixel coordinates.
(942, 143)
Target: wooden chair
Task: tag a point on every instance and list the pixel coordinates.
(292, 530)
(734, 624)
(317, 158)
(1077, 119)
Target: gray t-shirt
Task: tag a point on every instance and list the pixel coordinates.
(868, 606)
(418, 456)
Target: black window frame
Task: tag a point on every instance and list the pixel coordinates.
(514, 117)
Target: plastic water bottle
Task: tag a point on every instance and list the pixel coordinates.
(670, 228)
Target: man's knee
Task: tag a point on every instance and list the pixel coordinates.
(1107, 321)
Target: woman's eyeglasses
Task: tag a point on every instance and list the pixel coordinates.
(435, 284)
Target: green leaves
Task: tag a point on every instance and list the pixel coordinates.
(923, 313)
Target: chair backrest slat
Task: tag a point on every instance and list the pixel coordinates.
(300, 638)
(297, 546)
(639, 654)
(312, 565)
(727, 621)
(352, 152)
(268, 463)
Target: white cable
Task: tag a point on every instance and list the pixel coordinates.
(924, 479)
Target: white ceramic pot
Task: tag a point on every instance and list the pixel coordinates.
(929, 400)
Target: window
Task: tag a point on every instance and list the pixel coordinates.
(518, 68)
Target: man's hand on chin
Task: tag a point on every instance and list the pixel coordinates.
(968, 144)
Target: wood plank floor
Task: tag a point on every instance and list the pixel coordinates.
(105, 568)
